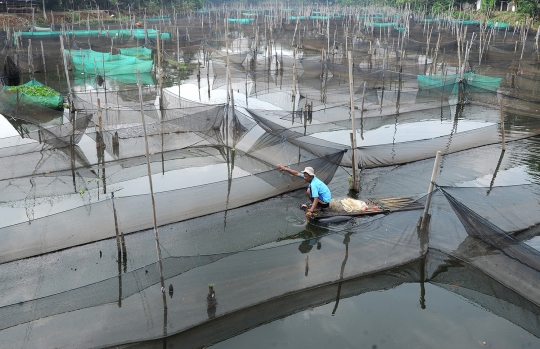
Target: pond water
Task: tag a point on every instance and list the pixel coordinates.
(370, 314)
(403, 132)
(391, 318)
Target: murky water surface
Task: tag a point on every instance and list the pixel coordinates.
(389, 319)
(398, 133)
(408, 315)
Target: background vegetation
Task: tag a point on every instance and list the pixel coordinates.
(525, 8)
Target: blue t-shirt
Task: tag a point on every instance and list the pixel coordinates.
(319, 189)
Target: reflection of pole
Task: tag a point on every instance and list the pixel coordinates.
(496, 171)
(353, 127)
(116, 227)
(422, 281)
(160, 265)
(119, 278)
(346, 241)
(502, 125)
(430, 190)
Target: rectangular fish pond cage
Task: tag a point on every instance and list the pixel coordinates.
(78, 250)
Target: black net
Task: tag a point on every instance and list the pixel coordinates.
(71, 181)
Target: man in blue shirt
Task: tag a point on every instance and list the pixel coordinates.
(316, 190)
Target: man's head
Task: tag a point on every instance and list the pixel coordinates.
(309, 173)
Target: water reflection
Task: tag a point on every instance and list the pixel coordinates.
(398, 133)
(389, 297)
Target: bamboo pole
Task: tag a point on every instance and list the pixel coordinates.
(502, 124)
(99, 139)
(158, 40)
(65, 63)
(294, 74)
(354, 183)
(30, 58)
(43, 57)
(156, 234)
(118, 245)
(430, 190)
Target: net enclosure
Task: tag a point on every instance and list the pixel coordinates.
(91, 62)
(471, 259)
(233, 98)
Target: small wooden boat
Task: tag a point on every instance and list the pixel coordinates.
(375, 206)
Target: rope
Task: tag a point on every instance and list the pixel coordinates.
(283, 140)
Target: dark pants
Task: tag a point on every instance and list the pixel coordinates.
(320, 204)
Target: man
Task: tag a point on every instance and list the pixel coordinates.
(316, 190)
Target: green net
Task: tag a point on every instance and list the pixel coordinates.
(138, 52)
(152, 34)
(318, 17)
(34, 92)
(449, 82)
(92, 62)
(380, 25)
(498, 25)
(158, 18)
(135, 33)
(240, 20)
(467, 22)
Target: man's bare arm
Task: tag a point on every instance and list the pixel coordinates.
(291, 171)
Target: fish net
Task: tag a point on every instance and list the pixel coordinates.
(12, 73)
(478, 257)
(211, 138)
(71, 182)
(105, 63)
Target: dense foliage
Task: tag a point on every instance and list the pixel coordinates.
(527, 7)
(113, 5)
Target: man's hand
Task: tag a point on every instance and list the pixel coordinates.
(309, 213)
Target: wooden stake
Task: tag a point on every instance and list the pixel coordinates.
(65, 63)
(43, 56)
(355, 185)
(30, 59)
(158, 40)
(99, 138)
(156, 234)
(502, 125)
(118, 245)
(430, 190)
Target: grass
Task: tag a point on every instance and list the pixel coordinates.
(495, 16)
